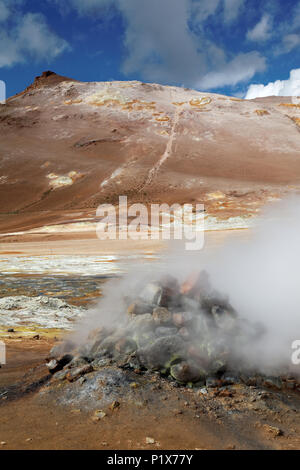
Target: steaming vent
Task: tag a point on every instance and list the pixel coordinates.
(188, 332)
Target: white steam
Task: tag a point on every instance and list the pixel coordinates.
(260, 274)
(262, 278)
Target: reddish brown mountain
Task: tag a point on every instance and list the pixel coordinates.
(67, 146)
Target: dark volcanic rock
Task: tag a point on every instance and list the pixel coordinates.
(182, 319)
(77, 361)
(272, 382)
(162, 352)
(185, 372)
(58, 364)
(139, 308)
(106, 346)
(162, 316)
(145, 338)
(142, 323)
(74, 374)
(152, 294)
(126, 346)
(165, 331)
(202, 344)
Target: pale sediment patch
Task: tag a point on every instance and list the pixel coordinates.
(59, 181)
(232, 223)
(84, 226)
(198, 221)
(114, 175)
(42, 311)
(104, 265)
(216, 195)
(106, 95)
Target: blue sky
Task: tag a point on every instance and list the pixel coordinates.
(222, 46)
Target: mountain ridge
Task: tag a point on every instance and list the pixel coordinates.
(69, 146)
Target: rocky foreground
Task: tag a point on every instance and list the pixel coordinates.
(189, 335)
(165, 375)
(115, 408)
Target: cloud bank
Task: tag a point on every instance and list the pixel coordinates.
(242, 68)
(290, 87)
(26, 36)
(203, 44)
(262, 30)
(162, 45)
(166, 41)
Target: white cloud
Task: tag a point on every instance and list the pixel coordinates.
(159, 43)
(232, 9)
(242, 68)
(85, 7)
(9, 52)
(9, 8)
(289, 43)
(207, 8)
(202, 10)
(295, 16)
(290, 87)
(161, 46)
(289, 32)
(35, 38)
(4, 11)
(29, 37)
(262, 30)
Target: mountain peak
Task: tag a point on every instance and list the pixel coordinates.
(47, 79)
(46, 74)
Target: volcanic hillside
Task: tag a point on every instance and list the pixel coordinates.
(67, 146)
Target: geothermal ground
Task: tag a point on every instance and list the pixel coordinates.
(67, 147)
(111, 401)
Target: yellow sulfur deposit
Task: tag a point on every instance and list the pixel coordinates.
(107, 97)
(261, 112)
(162, 119)
(200, 102)
(73, 101)
(296, 120)
(216, 195)
(290, 105)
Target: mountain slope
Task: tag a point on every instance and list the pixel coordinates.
(69, 146)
